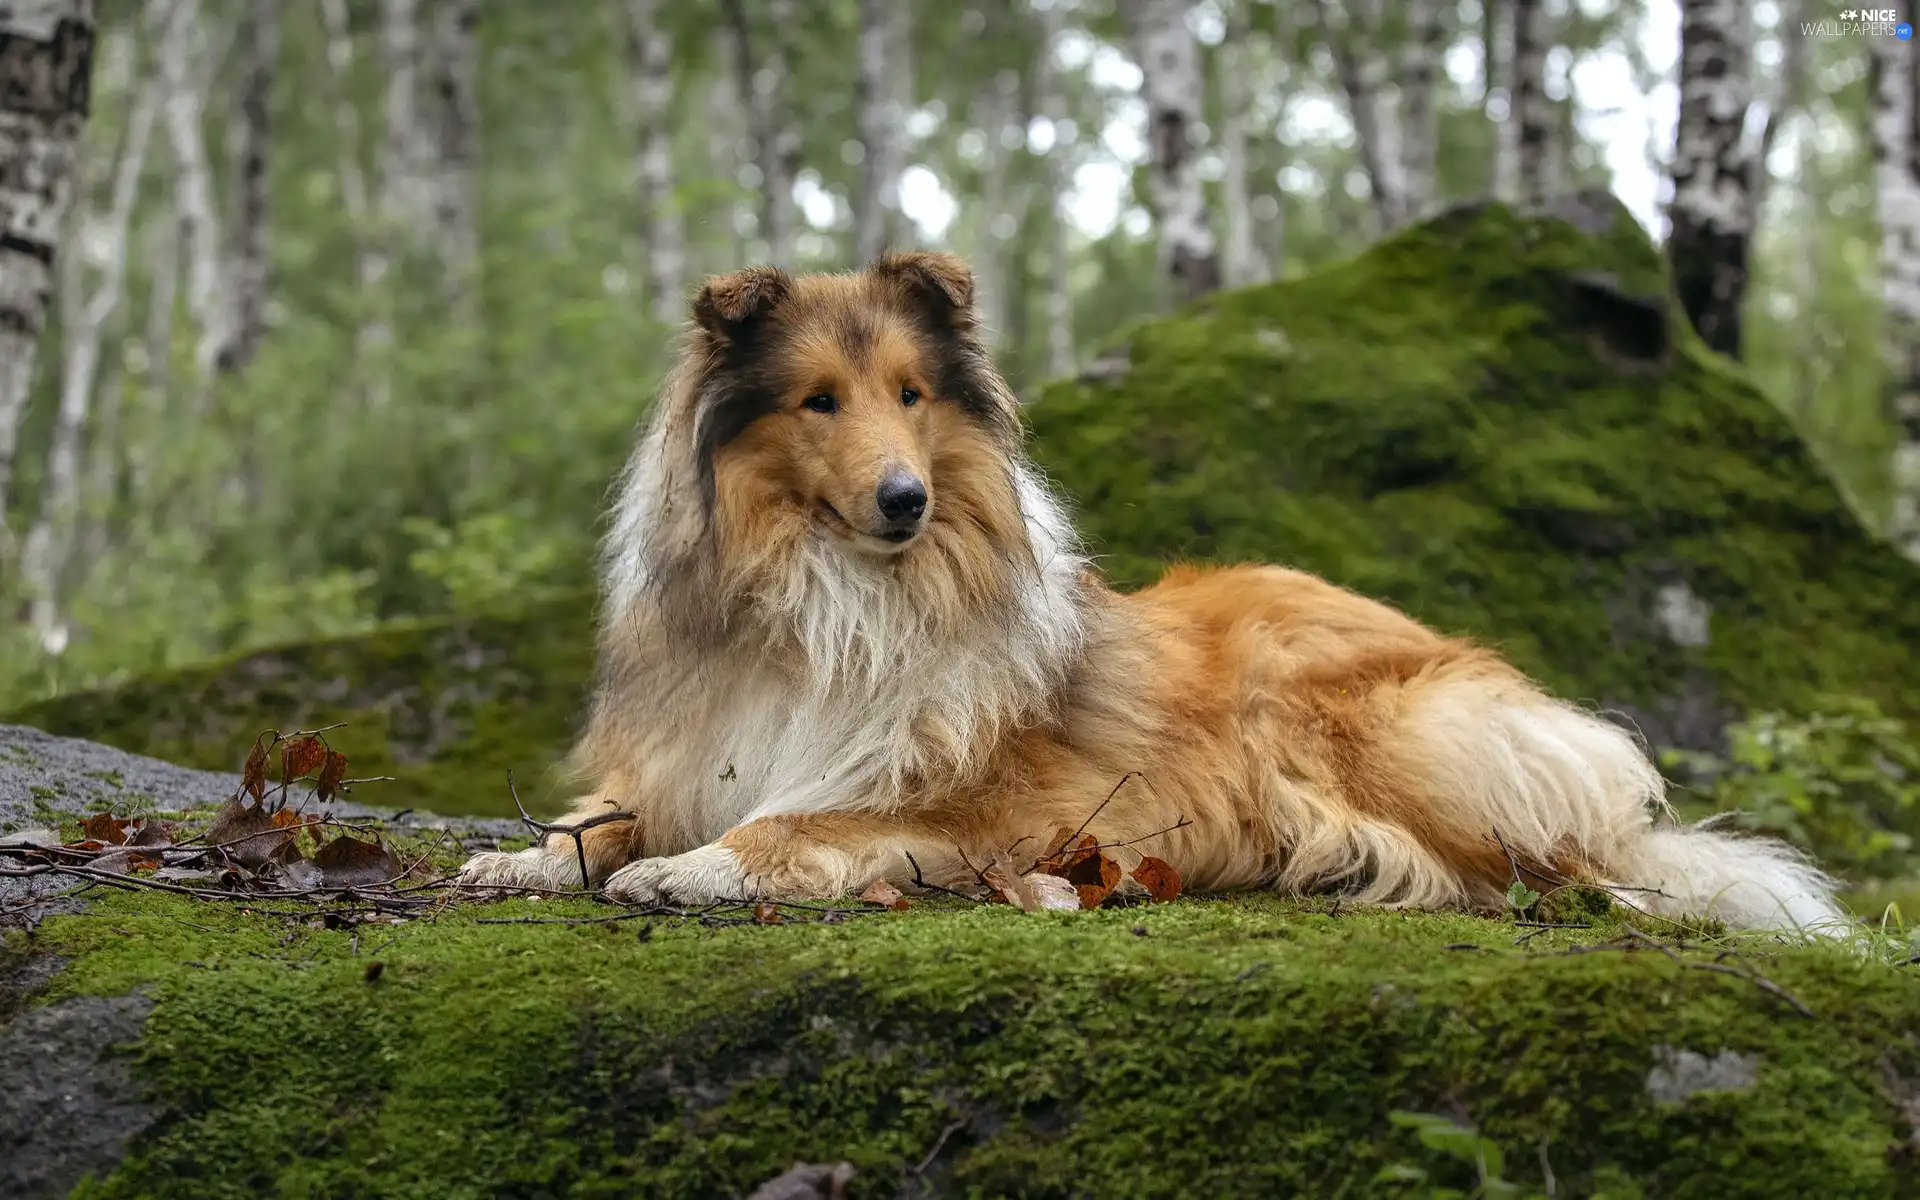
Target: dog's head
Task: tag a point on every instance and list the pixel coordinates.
(859, 408)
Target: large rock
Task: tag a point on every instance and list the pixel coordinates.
(1499, 423)
(1494, 421)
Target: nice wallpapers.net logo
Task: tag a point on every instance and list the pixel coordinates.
(1867, 22)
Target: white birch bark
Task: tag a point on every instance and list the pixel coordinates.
(1532, 117)
(761, 66)
(452, 142)
(1789, 97)
(253, 140)
(996, 116)
(374, 336)
(884, 95)
(650, 69)
(1172, 87)
(1498, 47)
(45, 82)
(50, 540)
(1712, 210)
(1419, 115)
(1365, 72)
(1050, 97)
(405, 199)
(186, 67)
(1896, 136)
(1244, 262)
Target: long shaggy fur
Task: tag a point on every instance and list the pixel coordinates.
(792, 708)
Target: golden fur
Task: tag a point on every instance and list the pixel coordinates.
(791, 702)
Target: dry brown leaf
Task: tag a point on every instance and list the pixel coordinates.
(1067, 850)
(246, 833)
(1054, 893)
(301, 756)
(152, 833)
(349, 862)
(117, 863)
(106, 828)
(886, 896)
(254, 777)
(331, 773)
(1158, 877)
(1129, 891)
(766, 914)
(1095, 876)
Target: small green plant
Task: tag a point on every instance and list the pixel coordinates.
(1521, 899)
(1842, 782)
(1462, 1143)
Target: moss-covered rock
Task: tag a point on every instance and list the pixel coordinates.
(444, 707)
(1201, 1048)
(1492, 420)
(1498, 423)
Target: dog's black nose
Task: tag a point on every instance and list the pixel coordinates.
(901, 497)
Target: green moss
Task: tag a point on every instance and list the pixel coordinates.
(445, 707)
(1491, 421)
(1199, 1048)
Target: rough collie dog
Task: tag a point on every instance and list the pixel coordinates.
(845, 622)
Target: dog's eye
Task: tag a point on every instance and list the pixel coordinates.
(823, 403)
(909, 397)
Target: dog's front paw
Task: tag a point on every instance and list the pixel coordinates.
(535, 867)
(696, 877)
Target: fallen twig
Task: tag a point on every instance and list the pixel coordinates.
(576, 832)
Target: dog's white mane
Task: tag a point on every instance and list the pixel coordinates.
(882, 698)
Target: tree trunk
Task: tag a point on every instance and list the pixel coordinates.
(1712, 172)
(1172, 88)
(454, 145)
(1245, 263)
(260, 42)
(1790, 97)
(885, 94)
(1532, 114)
(1500, 32)
(187, 68)
(1420, 117)
(373, 260)
(50, 541)
(1364, 75)
(776, 133)
(994, 112)
(1896, 143)
(1050, 98)
(650, 65)
(46, 71)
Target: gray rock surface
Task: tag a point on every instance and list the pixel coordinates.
(70, 1102)
(46, 779)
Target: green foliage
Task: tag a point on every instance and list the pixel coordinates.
(1842, 781)
(1253, 1047)
(1461, 1143)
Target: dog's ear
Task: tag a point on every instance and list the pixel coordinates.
(940, 282)
(729, 305)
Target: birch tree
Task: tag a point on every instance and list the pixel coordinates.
(1244, 262)
(1365, 71)
(83, 328)
(1172, 87)
(1711, 211)
(996, 115)
(46, 76)
(253, 140)
(884, 94)
(1896, 138)
(186, 67)
(763, 76)
(650, 68)
(452, 146)
(1532, 116)
(1050, 98)
(405, 202)
(371, 259)
(1419, 116)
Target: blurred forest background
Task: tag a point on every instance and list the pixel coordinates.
(357, 301)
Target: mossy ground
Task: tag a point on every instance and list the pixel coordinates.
(1201, 1048)
(444, 707)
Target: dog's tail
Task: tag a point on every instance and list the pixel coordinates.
(1575, 795)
